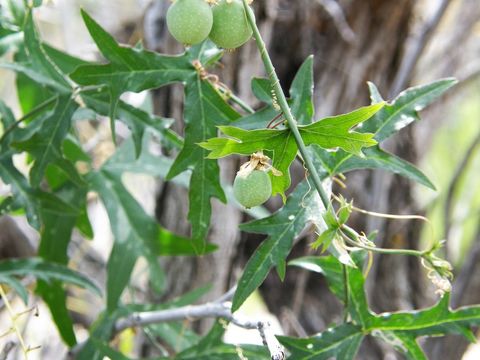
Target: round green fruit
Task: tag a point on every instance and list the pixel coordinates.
(230, 25)
(189, 21)
(252, 189)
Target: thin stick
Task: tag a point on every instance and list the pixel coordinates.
(410, 59)
(273, 120)
(335, 11)
(380, 250)
(15, 328)
(457, 176)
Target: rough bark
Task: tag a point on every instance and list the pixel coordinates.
(14, 242)
(293, 30)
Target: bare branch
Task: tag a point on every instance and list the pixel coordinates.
(6, 350)
(219, 308)
(457, 176)
(195, 312)
(415, 50)
(336, 12)
(227, 296)
(270, 341)
(191, 312)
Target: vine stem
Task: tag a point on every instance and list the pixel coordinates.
(355, 243)
(282, 102)
(351, 234)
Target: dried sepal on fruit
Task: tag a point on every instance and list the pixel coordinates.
(252, 185)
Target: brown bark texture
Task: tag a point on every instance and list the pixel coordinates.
(367, 41)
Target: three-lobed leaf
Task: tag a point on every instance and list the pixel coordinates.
(331, 132)
(204, 110)
(45, 144)
(403, 110)
(303, 206)
(393, 117)
(129, 69)
(400, 329)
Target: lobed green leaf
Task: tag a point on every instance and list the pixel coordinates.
(340, 342)
(204, 110)
(302, 207)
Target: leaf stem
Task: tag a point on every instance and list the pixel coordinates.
(242, 104)
(282, 102)
(351, 240)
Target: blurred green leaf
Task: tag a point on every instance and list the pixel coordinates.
(262, 89)
(257, 120)
(46, 271)
(37, 65)
(45, 144)
(58, 223)
(24, 195)
(130, 69)
(327, 266)
(16, 285)
(134, 231)
(106, 351)
(325, 239)
(301, 93)
(137, 120)
(9, 40)
(170, 244)
(65, 62)
(30, 93)
(403, 343)
(204, 110)
(17, 11)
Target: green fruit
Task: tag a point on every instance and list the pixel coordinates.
(230, 25)
(189, 21)
(253, 189)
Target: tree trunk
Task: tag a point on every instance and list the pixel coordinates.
(344, 62)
